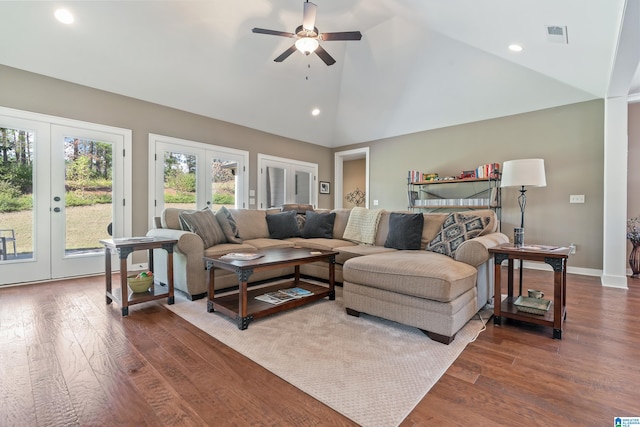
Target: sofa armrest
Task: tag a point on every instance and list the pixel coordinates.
(188, 242)
(476, 251)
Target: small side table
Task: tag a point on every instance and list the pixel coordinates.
(124, 247)
(556, 257)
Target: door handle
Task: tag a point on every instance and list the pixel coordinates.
(56, 209)
(56, 199)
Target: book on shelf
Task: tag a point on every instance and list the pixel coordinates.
(283, 295)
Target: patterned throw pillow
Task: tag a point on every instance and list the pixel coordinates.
(456, 229)
(228, 225)
(204, 224)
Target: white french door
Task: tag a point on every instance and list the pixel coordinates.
(62, 182)
(193, 175)
(79, 154)
(284, 181)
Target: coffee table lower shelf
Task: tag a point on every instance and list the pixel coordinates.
(227, 304)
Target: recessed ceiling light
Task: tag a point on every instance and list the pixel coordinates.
(515, 47)
(64, 16)
(315, 111)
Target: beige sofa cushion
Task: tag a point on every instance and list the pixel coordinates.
(251, 223)
(320, 243)
(263, 243)
(340, 223)
(417, 273)
(225, 248)
(348, 252)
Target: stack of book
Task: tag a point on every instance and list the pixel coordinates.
(284, 295)
(490, 170)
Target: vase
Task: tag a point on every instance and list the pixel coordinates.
(634, 258)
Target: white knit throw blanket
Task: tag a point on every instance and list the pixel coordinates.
(362, 225)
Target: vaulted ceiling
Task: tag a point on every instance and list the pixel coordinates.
(421, 64)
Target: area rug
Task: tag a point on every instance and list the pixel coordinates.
(371, 370)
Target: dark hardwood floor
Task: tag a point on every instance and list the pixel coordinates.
(67, 358)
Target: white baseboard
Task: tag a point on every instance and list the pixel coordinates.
(573, 270)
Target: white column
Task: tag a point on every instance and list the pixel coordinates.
(615, 193)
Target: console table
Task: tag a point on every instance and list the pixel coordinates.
(124, 247)
(556, 257)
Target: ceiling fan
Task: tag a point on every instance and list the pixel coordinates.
(308, 37)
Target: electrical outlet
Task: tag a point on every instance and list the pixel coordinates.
(576, 198)
(572, 249)
(375, 203)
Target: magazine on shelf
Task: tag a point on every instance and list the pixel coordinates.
(276, 297)
(283, 295)
(297, 292)
(241, 256)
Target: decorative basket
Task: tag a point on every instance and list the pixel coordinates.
(537, 306)
(139, 284)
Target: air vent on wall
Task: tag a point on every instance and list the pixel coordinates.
(557, 34)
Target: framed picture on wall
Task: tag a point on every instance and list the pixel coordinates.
(325, 187)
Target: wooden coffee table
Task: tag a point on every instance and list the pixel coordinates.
(242, 305)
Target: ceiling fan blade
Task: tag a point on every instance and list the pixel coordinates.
(344, 35)
(309, 16)
(272, 32)
(324, 55)
(286, 54)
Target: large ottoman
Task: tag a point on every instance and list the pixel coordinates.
(429, 291)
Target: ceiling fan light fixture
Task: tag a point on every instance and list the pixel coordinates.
(307, 45)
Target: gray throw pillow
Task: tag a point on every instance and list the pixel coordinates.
(283, 225)
(456, 229)
(405, 231)
(318, 225)
(204, 224)
(228, 225)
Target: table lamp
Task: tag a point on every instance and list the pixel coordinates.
(523, 173)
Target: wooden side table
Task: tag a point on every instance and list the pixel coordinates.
(124, 247)
(556, 257)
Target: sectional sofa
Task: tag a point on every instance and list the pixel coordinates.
(431, 270)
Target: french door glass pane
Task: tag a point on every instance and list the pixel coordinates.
(180, 176)
(303, 187)
(16, 198)
(223, 183)
(276, 187)
(88, 194)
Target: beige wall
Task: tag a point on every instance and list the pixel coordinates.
(568, 138)
(353, 177)
(36, 93)
(571, 141)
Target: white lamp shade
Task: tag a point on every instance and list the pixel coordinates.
(524, 172)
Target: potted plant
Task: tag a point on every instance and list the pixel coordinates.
(633, 234)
